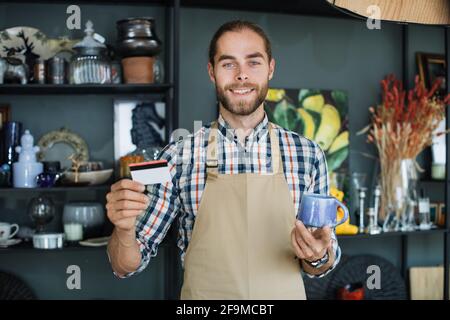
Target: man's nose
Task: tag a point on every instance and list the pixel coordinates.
(241, 75)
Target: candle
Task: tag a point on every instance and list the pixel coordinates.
(73, 231)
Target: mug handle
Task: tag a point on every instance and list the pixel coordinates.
(15, 231)
(344, 207)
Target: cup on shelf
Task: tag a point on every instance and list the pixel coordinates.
(6, 232)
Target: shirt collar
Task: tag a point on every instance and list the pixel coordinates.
(257, 132)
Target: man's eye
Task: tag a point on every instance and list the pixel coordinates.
(228, 65)
(254, 63)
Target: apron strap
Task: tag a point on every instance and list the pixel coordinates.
(212, 150)
(211, 154)
(277, 164)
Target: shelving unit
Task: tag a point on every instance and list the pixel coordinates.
(51, 89)
(170, 95)
(167, 92)
(392, 234)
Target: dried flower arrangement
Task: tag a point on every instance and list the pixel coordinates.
(402, 126)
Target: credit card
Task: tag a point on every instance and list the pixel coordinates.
(150, 172)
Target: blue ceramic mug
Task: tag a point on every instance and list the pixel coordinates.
(318, 210)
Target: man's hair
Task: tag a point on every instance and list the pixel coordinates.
(236, 26)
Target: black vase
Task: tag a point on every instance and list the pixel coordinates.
(12, 131)
(10, 138)
(136, 37)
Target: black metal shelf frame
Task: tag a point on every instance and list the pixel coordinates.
(447, 173)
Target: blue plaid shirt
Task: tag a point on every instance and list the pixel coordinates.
(304, 167)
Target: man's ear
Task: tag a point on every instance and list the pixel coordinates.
(271, 68)
(211, 72)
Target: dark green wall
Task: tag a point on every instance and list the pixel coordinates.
(310, 52)
(325, 53)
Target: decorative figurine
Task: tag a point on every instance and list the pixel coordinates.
(27, 168)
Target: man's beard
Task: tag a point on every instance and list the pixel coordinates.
(242, 107)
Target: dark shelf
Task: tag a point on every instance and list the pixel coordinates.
(28, 246)
(392, 234)
(56, 189)
(40, 89)
(103, 2)
(300, 7)
(431, 181)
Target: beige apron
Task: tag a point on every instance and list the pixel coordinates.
(241, 242)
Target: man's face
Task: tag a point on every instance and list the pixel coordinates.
(241, 71)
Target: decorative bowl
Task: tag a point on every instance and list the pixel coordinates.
(88, 178)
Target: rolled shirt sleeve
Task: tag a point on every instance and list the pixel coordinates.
(153, 224)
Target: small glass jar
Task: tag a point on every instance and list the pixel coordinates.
(51, 175)
(91, 63)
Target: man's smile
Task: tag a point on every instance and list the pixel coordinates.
(242, 92)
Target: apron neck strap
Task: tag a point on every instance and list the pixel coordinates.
(277, 165)
(212, 150)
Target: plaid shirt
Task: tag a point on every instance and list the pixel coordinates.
(304, 167)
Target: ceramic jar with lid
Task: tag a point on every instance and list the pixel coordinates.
(138, 45)
(91, 63)
(136, 37)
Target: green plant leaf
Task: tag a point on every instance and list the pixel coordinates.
(285, 115)
(340, 101)
(335, 159)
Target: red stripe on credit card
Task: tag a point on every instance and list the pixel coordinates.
(147, 165)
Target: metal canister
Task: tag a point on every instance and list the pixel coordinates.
(57, 70)
(39, 71)
(116, 72)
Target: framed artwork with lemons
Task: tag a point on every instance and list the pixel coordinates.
(319, 115)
